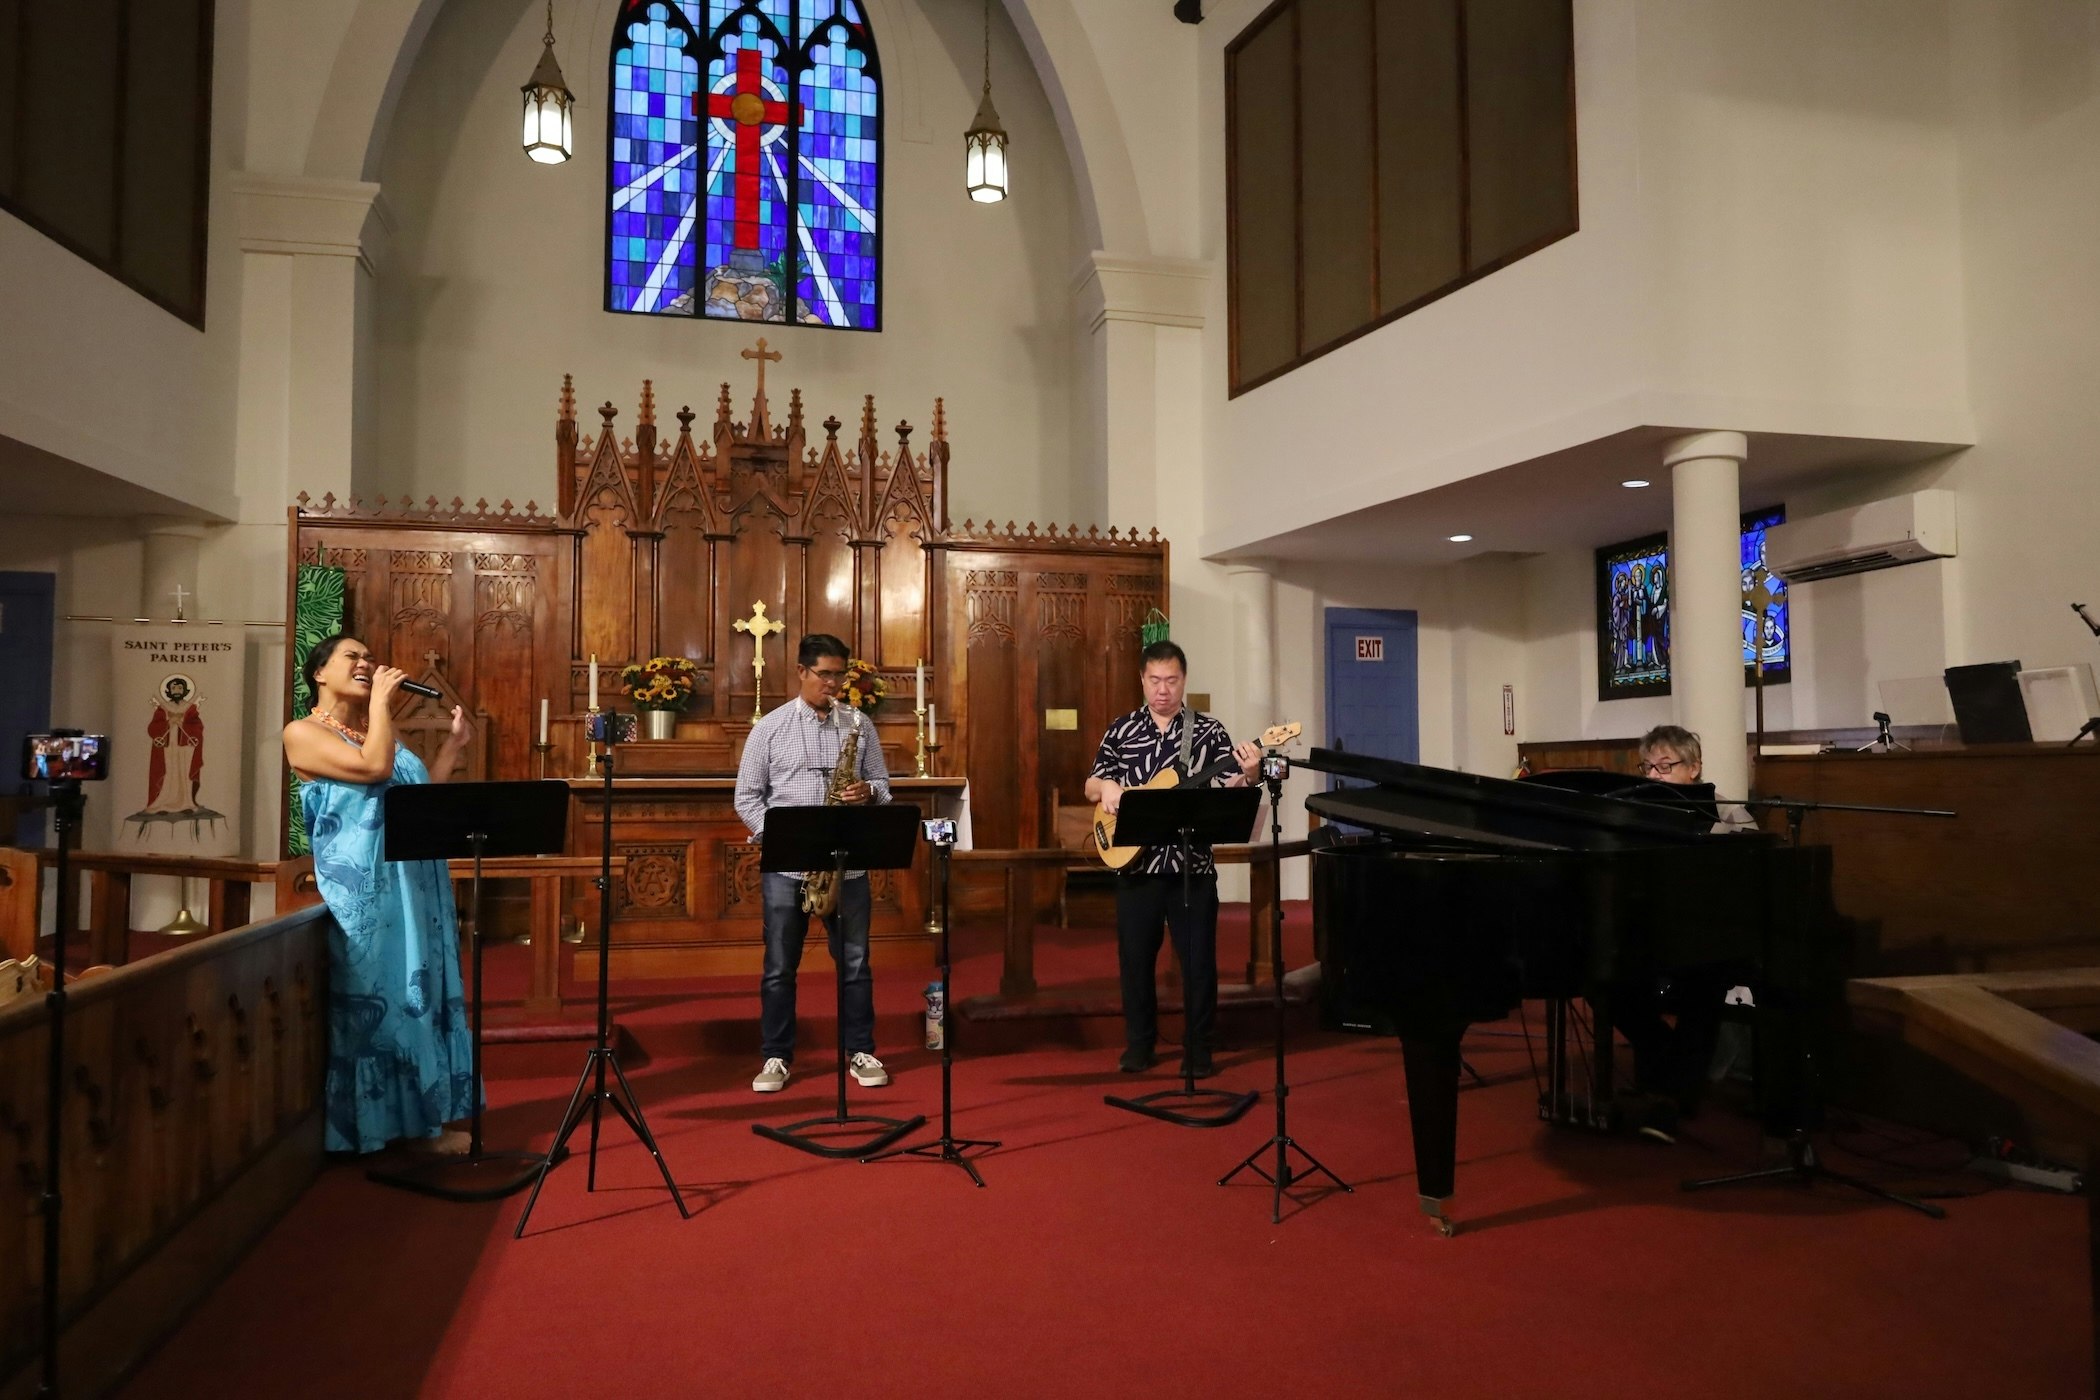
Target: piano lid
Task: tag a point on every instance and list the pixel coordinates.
(1412, 799)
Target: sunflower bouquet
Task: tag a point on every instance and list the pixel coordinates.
(660, 683)
(862, 688)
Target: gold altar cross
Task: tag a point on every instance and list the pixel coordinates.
(759, 626)
(761, 420)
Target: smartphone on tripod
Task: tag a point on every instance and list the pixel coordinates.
(65, 756)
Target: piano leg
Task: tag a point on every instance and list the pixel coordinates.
(1432, 1064)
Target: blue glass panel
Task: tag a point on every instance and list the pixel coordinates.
(653, 134)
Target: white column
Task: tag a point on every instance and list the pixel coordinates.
(1130, 312)
(1253, 591)
(310, 250)
(1706, 601)
(170, 563)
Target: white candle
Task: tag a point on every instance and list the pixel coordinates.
(543, 721)
(921, 702)
(594, 680)
(933, 725)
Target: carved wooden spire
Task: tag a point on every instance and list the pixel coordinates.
(648, 415)
(722, 405)
(568, 398)
(940, 421)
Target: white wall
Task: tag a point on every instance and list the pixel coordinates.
(1769, 241)
(494, 287)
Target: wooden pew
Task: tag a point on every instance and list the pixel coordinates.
(19, 912)
(192, 1122)
(2025, 1035)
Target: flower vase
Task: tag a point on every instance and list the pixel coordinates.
(659, 724)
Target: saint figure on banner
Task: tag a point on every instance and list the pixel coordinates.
(175, 768)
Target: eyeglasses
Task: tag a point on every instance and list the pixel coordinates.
(828, 677)
(1661, 768)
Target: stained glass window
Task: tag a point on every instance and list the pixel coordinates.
(745, 162)
(1633, 613)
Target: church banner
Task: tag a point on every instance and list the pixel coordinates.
(177, 728)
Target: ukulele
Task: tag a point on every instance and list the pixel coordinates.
(1116, 857)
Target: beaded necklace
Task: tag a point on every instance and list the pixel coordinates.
(355, 736)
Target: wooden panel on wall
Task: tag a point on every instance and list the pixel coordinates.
(2002, 886)
(1520, 126)
(1421, 166)
(1337, 204)
(1261, 138)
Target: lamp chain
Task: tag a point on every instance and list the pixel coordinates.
(987, 46)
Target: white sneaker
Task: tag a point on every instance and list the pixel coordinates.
(772, 1079)
(868, 1071)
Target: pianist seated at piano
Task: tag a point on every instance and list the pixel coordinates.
(1671, 1062)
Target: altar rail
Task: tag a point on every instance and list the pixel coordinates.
(1017, 872)
(192, 1122)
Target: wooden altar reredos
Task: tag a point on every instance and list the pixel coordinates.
(1030, 635)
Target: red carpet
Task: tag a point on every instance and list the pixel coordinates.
(1104, 1260)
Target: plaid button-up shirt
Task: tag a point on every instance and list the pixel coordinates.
(789, 757)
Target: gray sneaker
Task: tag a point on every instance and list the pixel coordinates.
(868, 1071)
(772, 1079)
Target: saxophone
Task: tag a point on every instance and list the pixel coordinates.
(820, 888)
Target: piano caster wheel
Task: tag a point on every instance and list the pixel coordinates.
(1434, 1209)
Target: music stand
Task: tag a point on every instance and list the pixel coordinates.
(841, 837)
(1185, 817)
(947, 1147)
(448, 821)
(1274, 768)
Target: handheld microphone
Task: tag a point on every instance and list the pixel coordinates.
(428, 692)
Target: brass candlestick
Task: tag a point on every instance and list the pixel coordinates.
(543, 749)
(593, 718)
(933, 749)
(919, 745)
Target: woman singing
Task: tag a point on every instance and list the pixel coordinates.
(399, 1056)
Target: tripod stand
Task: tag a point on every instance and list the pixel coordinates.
(871, 838)
(1154, 816)
(948, 1147)
(67, 805)
(431, 821)
(591, 1088)
(1273, 769)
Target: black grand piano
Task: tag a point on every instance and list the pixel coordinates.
(1466, 895)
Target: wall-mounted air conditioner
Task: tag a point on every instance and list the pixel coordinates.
(1877, 535)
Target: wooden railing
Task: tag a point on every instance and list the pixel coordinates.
(1017, 869)
(192, 1120)
(231, 885)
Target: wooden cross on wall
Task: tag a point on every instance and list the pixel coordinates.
(761, 420)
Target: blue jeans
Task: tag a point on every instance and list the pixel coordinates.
(786, 929)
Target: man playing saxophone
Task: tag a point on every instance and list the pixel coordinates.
(793, 759)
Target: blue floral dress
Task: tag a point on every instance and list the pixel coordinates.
(399, 1053)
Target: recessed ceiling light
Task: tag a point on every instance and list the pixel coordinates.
(1460, 539)
(1633, 485)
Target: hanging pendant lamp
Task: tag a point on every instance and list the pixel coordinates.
(549, 132)
(984, 144)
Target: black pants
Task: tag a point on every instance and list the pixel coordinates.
(1143, 904)
(1673, 1060)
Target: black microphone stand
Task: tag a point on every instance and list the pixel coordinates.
(1804, 1165)
(67, 803)
(602, 1054)
(1273, 769)
(948, 1147)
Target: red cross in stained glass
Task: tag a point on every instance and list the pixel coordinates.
(751, 111)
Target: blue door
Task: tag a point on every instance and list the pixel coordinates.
(1371, 701)
(25, 701)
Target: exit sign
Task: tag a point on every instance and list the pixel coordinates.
(1370, 648)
